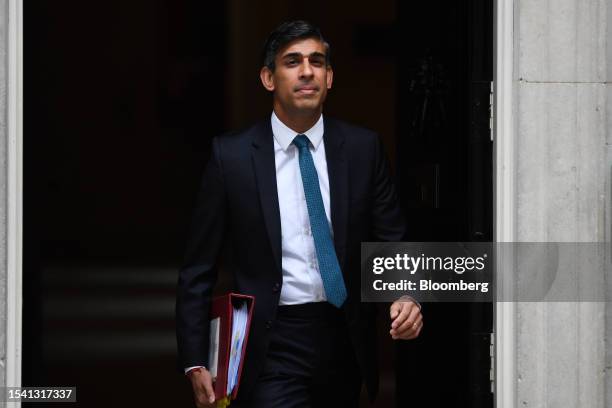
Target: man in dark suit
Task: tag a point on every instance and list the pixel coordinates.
(293, 197)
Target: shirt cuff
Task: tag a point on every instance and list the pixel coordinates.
(407, 298)
(188, 369)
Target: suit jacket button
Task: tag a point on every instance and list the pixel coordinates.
(276, 287)
(269, 324)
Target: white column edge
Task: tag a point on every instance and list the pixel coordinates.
(14, 215)
(504, 188)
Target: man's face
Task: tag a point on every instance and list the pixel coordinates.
(301, 78)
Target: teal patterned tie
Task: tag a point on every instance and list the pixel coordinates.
(326, 255)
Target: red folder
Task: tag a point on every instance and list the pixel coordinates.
(222, 308)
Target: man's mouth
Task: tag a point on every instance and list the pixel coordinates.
(307, 89)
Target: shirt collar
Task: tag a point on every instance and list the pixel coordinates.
(285, 135)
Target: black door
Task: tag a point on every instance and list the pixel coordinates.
(444, 162)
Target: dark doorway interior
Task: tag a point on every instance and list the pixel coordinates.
(444, 175)
(122, 99)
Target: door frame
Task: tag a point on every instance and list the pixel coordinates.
(504, 188)
(14, 191)
(504, 148)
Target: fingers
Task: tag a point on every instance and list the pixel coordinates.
(408, 321)
(401, 311)
(394, 310)
(203, 397)
(409, 327)
(418, 331)
(210, 392)
(203, 390)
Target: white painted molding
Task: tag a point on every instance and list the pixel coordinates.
(14, 214)
(504, 187)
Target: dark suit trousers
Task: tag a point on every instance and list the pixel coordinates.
(310, 361)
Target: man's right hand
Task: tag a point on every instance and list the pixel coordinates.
(203, 392)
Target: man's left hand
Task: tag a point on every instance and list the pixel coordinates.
(406, 320)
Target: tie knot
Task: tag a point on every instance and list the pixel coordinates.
(301, 141)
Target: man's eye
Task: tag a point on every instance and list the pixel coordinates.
(291, 62)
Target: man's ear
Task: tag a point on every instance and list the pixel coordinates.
(330, 76)
(267, 78)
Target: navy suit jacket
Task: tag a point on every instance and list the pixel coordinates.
(238, 207)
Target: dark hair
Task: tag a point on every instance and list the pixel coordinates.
(286, 33)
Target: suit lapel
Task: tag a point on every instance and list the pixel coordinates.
(337, 169)
(265, 172)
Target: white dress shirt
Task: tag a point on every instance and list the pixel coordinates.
(301, 277)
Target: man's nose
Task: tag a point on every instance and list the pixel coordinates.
(306, 69)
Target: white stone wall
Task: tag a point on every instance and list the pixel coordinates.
(562, 181)
(608, 197)
(3, 183)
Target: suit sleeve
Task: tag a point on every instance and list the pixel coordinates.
(387, 220)
(388, 224)
(198, 273)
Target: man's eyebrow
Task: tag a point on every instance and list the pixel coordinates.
(299, 55)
